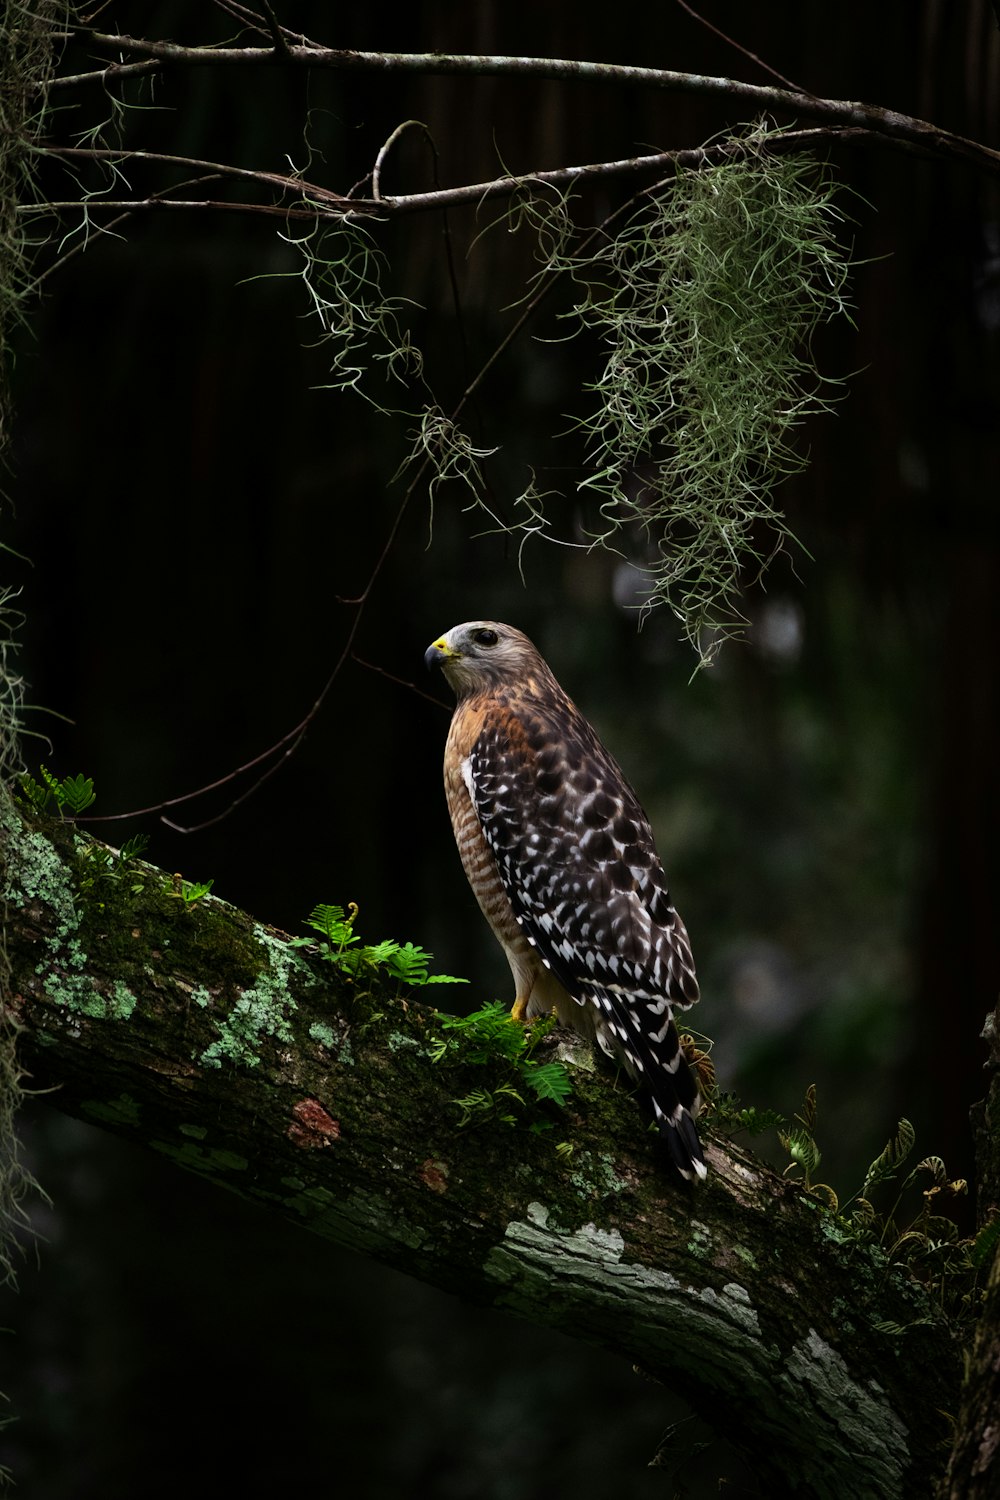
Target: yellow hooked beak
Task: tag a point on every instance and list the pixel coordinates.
(438, 652)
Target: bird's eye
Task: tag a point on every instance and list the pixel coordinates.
(485, 637)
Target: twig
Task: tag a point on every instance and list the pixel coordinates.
(402, 682)
(285, 184)
(248, 17)
(277, 33)
(387, 147)
(730, 42)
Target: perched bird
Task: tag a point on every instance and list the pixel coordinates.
(562, 861)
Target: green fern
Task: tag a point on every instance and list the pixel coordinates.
(927, 1241)
(405, 962)
(490, 1038)
(985, 1244)
(803, 1150)
(102, 863)
(72, 794)
(188, 891)
(800, 1143)
(732, 1116)
(883, 1168)
(482, 1104)
(548, 1081)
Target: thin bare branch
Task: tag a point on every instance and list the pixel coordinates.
(731, 42)
(281, 181)
(387, 147)
(322, 203)
(886, 122)
(277, 33)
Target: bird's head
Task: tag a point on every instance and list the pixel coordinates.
(480, 654)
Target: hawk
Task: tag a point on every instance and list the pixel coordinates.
(562, 860)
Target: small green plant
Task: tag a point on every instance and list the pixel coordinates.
(71, 795)
(800, 1143)
(985, 1245)
(102, 863)
(731, 1116)
(188, 891)
(929, 1226)
(926, 1242)
(480, 1104)
(341, 946)
(490, 1038)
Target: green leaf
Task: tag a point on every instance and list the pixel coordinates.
(488, 1033)
(985, 1243)
(53, 783)
(810, 1110)
(802, 1149)
(548, 1081)
(39, 796)
(936, 1167)
(405, 962)
(883, 1168)
(194, 890)
(74, 792)
(133, 847)
(826, 1195)
(385, 955)
(334, 923)
(754, 1121)
(77, 793)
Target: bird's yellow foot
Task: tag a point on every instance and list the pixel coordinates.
(519, 1010)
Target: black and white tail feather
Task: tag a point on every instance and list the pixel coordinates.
(660, 1066)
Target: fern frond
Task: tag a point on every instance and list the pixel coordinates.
(884, 1167)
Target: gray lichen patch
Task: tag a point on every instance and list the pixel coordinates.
(818, 1379)
(596, 1172)
(399, 1041)
(261, 1012)
(117, 1004)
(713, 1328)
(36, 872)
(324, 1035)
(523, 1262)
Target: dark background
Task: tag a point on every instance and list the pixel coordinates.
(196, 507)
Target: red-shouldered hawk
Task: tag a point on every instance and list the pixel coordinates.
(562, 860)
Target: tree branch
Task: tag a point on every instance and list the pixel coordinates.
(841, 112)
(202, 1034)
(320, 203)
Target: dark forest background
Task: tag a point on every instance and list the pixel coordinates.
(196, 507)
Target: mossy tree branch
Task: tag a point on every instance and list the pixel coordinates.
(198, 1032)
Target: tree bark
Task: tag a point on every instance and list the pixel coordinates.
(974, 1469)
(201, 1033)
